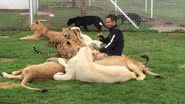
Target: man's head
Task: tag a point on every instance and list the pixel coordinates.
(111, 20)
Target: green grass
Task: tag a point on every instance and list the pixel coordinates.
(12, 20)
(166, 52)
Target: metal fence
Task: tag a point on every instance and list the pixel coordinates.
(56, 13)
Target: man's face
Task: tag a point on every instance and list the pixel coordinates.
(110, 23)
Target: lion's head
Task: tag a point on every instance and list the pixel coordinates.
(69, 48)
(37, 25)
(66, 34)
(71, 34)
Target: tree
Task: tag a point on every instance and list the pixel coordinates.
(83, 7)
(74, 3)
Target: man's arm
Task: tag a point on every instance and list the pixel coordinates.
(112, 43)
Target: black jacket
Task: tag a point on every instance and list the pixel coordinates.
(114, 42)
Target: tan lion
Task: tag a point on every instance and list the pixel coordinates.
(68, 34)
(133, 65)
(40, 31)
(44, 71)
(75, 34)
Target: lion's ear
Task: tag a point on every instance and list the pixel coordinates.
(76, 31)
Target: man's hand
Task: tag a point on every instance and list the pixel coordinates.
(100, 36)
(95, 52)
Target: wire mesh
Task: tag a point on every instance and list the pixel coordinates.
(56, 13)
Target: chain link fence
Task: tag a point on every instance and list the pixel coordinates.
(55, 13)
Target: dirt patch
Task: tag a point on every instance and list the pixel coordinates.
(7, 59)
(7, 85)
(4, 37)
(165, 26)
(38, 13)
(181, 66)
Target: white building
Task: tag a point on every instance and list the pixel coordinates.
(17, 4)
(14, 4)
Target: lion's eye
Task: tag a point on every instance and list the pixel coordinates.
(67, 36)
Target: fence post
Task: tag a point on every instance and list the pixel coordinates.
(83, 7)
(152, 4)
(31, 11)
(89, 3)
(37, 4)
(124, 14)
(146, 6)
(116, 2)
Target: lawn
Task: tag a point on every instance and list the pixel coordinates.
(166, 52)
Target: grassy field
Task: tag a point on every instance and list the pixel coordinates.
(166, 52)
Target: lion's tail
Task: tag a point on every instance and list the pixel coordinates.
(146, 71)
(43, 53)
(34, 89)
(146, 58)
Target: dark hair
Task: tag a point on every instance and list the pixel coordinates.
(112, 17)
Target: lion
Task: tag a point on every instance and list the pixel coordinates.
(44, 71)
(81, 67)
(40, 32)
(73, 35)
(67, 49)
(66, 34)
(133, 65)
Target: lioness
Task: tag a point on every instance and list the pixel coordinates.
(44, 71)
(132, 64)
(40, 31)
(81, 67)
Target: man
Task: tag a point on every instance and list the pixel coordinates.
(114, 41)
